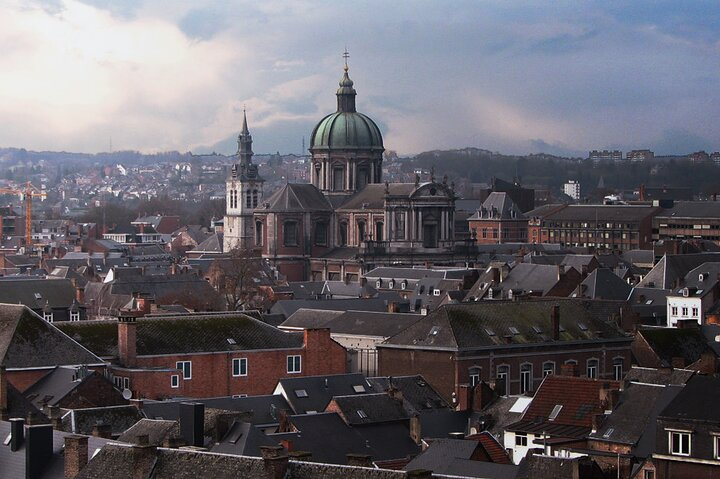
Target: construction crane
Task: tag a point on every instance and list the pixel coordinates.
(28, 193)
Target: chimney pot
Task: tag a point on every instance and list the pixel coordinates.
(76, 455)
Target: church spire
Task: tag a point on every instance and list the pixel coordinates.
(346, 93)
(245, 152)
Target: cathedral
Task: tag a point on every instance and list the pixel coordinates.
(347, 220)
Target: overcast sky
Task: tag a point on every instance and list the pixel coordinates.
(516, 77)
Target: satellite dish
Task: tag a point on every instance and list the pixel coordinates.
(127, 394)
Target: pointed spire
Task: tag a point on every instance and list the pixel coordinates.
(346, 93)
(245, 130)
(245, 152)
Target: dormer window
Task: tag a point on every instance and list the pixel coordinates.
(378, 283)
(391, 284)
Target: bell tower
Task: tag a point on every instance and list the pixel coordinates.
(244, 191)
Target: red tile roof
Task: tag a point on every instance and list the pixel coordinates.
(495, 451)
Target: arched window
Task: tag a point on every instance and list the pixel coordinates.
(290, 233)
(592, 368)
(548, 368)
(503, 379)
(248, 199)
(258, 233)
(338, 179)
(526, 377)
(254, 198)
(343, 233)
(379, 231)
(321, 233)
(361, 231)
(618, 371)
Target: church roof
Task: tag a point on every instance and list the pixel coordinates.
(373, 195)
(296, 197)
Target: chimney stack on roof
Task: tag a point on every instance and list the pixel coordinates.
(555, 317)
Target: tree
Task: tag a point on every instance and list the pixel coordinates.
(238, 277)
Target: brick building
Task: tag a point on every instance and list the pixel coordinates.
(612, 227)
(498, 220)
(513, 343)
(699, 220)
(206, 354)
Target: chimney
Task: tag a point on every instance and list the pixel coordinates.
(555, 319)
(415, 429)
(138, 403)
(463, 397)
(143, 457)
(359, 460)
(419, 474)
(597, 422)
(192, 423)
(3, 394)
(17, 433)
(53, 413)
(173, 442)
(127, 332)
(482, 395)
(301, 455)
(38, 449)
(275, 461)
(395, 393)
(76, 455)
(287, 444)
(102, 430)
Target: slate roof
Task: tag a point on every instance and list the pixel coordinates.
(673, 267)
(497, 205)
(213, 244)
(373, 196)
(387, 272)
(36, 293)
(497, 416)
(120, 418)
(662, 377)
(57, 384)
(486, 324)
(195, 333)
(115, 461)
(319, 390)
(633, 420)
(669, 343)
(454, 457)
(306, 318)
(692, 209)
(417, 393)
(13, 463)
(367, 323)
(692, 404)
(262, 410)
(370, 408)
(538, 278)
(243, 438)
(156, 429)
(604, 284)
(289, 306)
(295, 197)
(28, 341)
(602, 213)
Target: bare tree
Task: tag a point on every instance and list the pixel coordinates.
(238, 277)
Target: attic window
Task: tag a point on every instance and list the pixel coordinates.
(434, 331)
(362, 414)
(537, 329)
(436, 292)
(359, 388)
(582, 326)
(699, 292)
(609, 432)
(554, 413)
(649, 302)
(231, 341)
(301, 393)
(513, 330)
(38, 296)
(489, 332)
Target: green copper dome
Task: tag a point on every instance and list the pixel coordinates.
(346, 129)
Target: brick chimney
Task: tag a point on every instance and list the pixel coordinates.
(415, 429)
(464, 397)
(143, 457)
(555, 320)
(127, 338)
(275, 461)
(102, 430)
(76, 455)
(482, 395)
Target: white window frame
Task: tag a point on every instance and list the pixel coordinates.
(526, 374)
(548, 371)
(677, 434)
(592, 364)
(74, 315)
(716, 444)
(673, 311)
(521, 439)
(695, 312)
(684, 311)
(294, 367)
(186, 373)
(474, 374)
(618, 363)
(238, 364)
(175, 381)
(48, 317)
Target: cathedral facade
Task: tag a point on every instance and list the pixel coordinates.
(347, 220)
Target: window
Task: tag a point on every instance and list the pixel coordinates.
(474, 375)
(74, 315)
(258, 233)
(716, 443)
(361, 231)
(695, 312)
(592, 368)
(618, 369)
(338, 179)
(343, 233)
(290, 234)
(48, 316)
(379, 231)
(649, 474)
(548, 368)
(254, 198)
(525, 377)
(248, 200)
(679, 443)
(186, 368)
(484, 232)
(399, 225)
(684, 311)
(555, 411)
(521, 439)
(174, 381)
(503, 379)
(321, 233)
(674, 311)
(239, 367)
(294, 364)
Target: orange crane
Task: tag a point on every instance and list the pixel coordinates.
(29, 193)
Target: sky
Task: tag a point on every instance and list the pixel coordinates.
(518, 77)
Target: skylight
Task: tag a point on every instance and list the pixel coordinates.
(537, 329)
(362, 414)
(513, 330)
(231, 341)
(554, 414)
(582, 326)
(301, 393)
(38, 296)
(359, 388)
(608, 432)
(489, 332)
